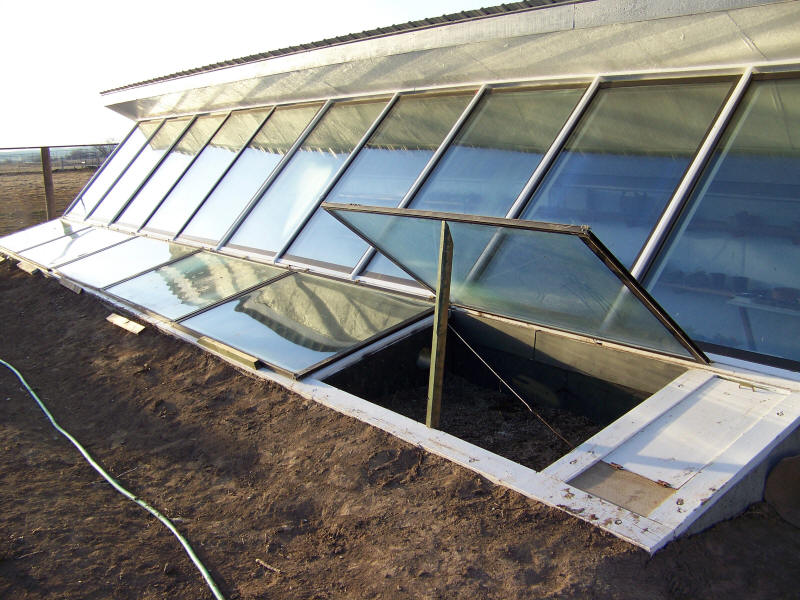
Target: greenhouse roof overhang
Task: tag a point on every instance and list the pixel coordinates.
(621, 183)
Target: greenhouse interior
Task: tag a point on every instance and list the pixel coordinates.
(621, 186)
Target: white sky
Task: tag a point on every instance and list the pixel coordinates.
(58, 56)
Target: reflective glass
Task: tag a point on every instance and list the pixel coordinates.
(619, 168)
(293, 194)
(168, 172)
(730, 271)
(39, 234)
(152, 152)
(300, 320)
(380, 175)
(248, 173)
(205, 171)
(543, 277)
(92, 195)
(74, 246)
(194, 282)
(124, 260)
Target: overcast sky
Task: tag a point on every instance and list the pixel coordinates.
(57, 56)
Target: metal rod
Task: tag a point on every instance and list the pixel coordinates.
(423, 176)
(273, 175)
(440, 315)
(339, 173)
(676, 203)
(47, 173)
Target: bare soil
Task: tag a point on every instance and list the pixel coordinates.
(250, 471)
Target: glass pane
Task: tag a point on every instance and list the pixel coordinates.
(173, 166)
(192, 283)
(118, 195)
(287, 201)
(729, 273)
(492, 157)
(380, 175)
(124, 260)
(205, 171)
(621, 165)
(542, 277)
(38, 234)
(73, 246)
(92, 195)
(300, 320)
(248, 173)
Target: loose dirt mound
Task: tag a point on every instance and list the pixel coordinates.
(250, 471)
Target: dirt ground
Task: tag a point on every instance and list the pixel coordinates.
(250, 471)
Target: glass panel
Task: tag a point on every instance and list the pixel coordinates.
(73, 246)
(92, 195)
(124, 260)
(169, 171)
(300, 320)
(543, 277)
(192, 283)
(249, 172)
(38, 234)
(729, 272)
(287, 201)
(621, 165)
(492, 157)
(380, 175)
(205, 171)
(118, 195)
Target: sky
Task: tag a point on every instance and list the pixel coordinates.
(58, 56)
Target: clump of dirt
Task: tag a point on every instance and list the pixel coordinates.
(255, 475)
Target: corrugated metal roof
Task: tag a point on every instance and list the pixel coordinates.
(467, 15)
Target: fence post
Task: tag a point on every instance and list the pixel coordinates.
(49, 196)
(441, 311)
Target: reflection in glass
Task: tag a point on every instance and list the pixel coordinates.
(194, 282)
(381, 174)
(123, 260)
(248, 173)
(119, 194)
(492, 157)
(38, 234)
(170, 169)
(729, 273)
(287, 201)
(619, 168)
(300, 320)
(209, 166)
(71, 247)
(543, 277)
(92, 195)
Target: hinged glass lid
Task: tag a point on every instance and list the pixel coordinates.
(558, 276)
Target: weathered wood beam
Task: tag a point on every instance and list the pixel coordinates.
(440, 315)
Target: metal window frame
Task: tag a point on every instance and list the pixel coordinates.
(582, 232)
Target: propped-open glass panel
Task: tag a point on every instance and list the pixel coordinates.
(251, 169)
(558, 276)
(113, 168)
(300, 322)
(380, 175)
(73, 246)
(192, 283)
(169, 171)
(729, 272)
(619, 168)
(209, 166)
(138, 170)
(492, 157)
(124, 260)
(295, 192)
(39, 234)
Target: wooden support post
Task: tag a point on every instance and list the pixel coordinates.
(49, 196)
(440, 315)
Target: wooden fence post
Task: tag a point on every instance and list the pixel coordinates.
(49, 196)
(440, 315)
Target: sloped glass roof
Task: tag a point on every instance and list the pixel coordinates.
(74, 246)
(39, 234)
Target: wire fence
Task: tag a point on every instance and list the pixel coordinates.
(27, 173)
